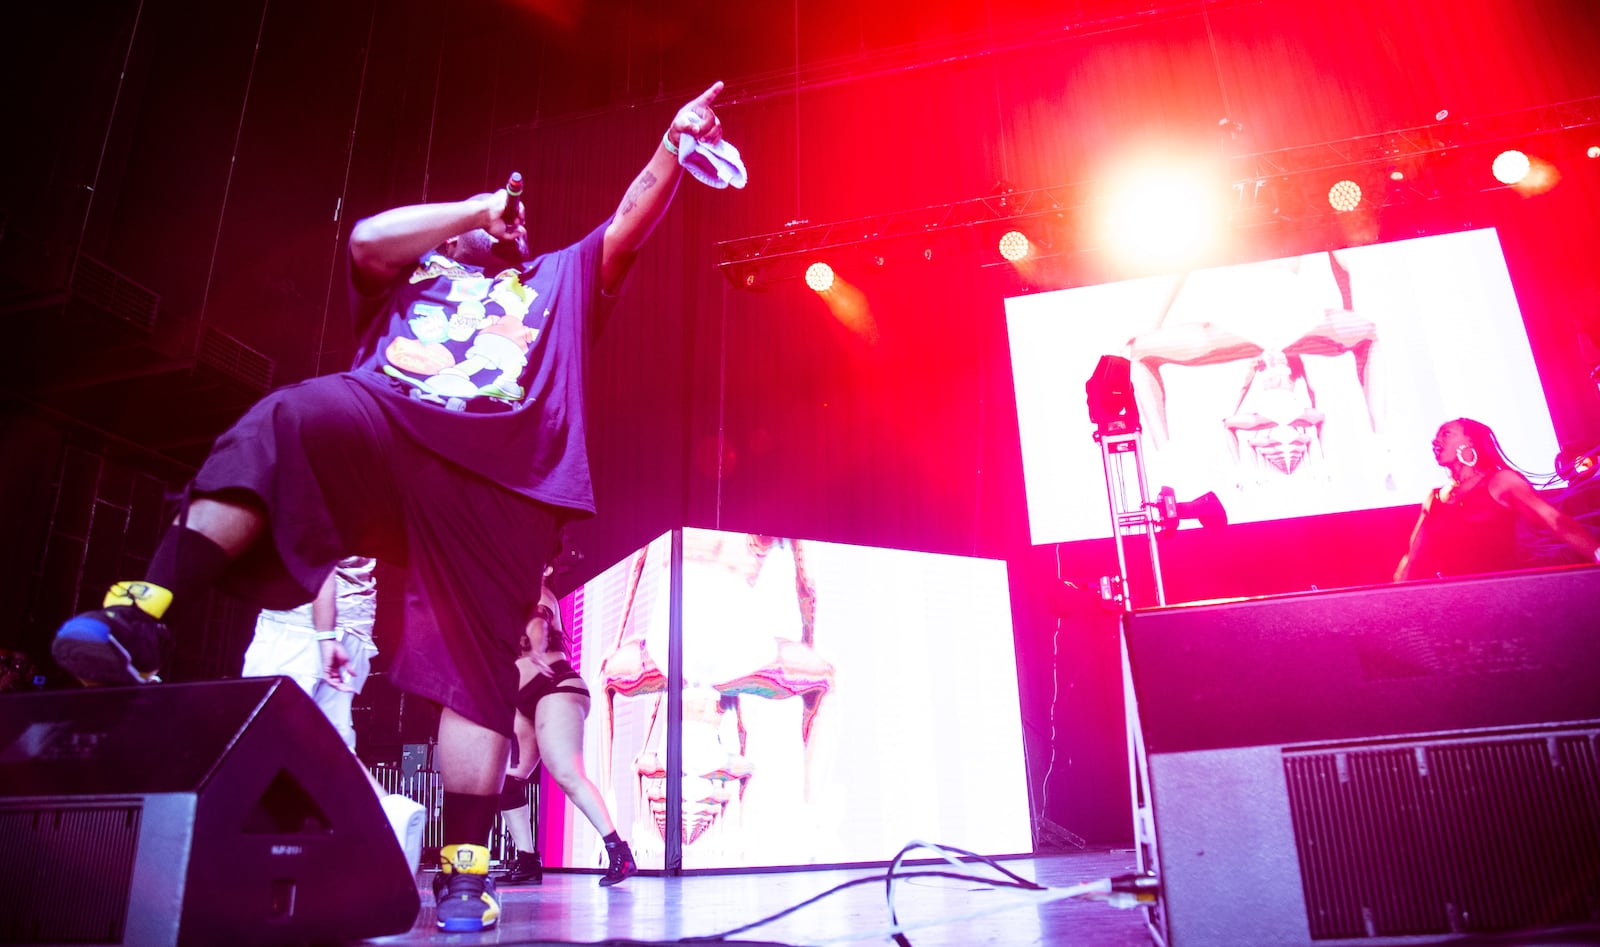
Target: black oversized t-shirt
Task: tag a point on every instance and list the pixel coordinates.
(487, 369)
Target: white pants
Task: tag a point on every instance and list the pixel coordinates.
(293, 652)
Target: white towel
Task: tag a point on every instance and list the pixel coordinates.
(716, 164)
(408, 819)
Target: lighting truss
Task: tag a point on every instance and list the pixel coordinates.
(760, 259)
(803, 240)
(1423, 141)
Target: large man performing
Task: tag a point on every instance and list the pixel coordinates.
(452, 452)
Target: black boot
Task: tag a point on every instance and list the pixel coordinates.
(527, 871)
(622, 867)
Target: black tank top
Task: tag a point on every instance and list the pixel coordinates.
(1467, 534)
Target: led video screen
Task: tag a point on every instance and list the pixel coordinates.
(1291, 387)
(838, 702)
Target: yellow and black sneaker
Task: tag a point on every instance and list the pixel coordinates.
(464, 896)
(123, 642)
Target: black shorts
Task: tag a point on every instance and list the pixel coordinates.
(462, 557)
(562, 679)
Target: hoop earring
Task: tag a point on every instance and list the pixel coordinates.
(1470, 463)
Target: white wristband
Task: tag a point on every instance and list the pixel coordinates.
(327, 635)
(666, 141)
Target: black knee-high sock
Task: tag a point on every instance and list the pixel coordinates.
(468, 820)
(186, 563)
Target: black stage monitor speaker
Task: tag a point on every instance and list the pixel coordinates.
(1391, 765)
(214, 813)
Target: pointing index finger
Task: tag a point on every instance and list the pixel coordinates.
(709, 95)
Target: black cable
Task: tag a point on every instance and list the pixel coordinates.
(1020, 883)
(965, 855)
(888, 879)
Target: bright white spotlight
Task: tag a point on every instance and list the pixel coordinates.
(1014, 246)
(1165, 216)
(1344, 196)
(1510, 167)
(1593, 151)
(819, 276)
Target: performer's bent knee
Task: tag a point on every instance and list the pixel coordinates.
(513, 793)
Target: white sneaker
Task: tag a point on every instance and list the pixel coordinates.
(407, 818)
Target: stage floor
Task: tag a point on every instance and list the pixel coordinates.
(650, 908)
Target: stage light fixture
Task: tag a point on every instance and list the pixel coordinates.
(1344, 196)
(1593, 151)
(1207, 509)
(1112, 407)
(1511, 166)
(819, 276)
(1014, 246)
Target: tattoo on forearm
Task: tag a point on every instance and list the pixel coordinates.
(644, 182)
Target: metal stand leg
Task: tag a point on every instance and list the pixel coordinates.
(1130, 514)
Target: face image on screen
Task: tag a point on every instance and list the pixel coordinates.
(824, 718)
(1293, 387)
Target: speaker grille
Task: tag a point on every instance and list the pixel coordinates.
(78, 891)
(1453, 836)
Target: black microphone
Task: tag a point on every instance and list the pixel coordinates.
(513, 197)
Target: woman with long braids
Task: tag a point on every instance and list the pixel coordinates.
(1470, 525)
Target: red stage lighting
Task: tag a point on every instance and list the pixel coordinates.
(1344, 196)
(1014, 246)
(819, 276)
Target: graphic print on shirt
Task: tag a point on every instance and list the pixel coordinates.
(470, 338)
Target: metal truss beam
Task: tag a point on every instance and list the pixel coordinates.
(748, 261)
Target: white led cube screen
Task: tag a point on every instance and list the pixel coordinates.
(839, 702)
